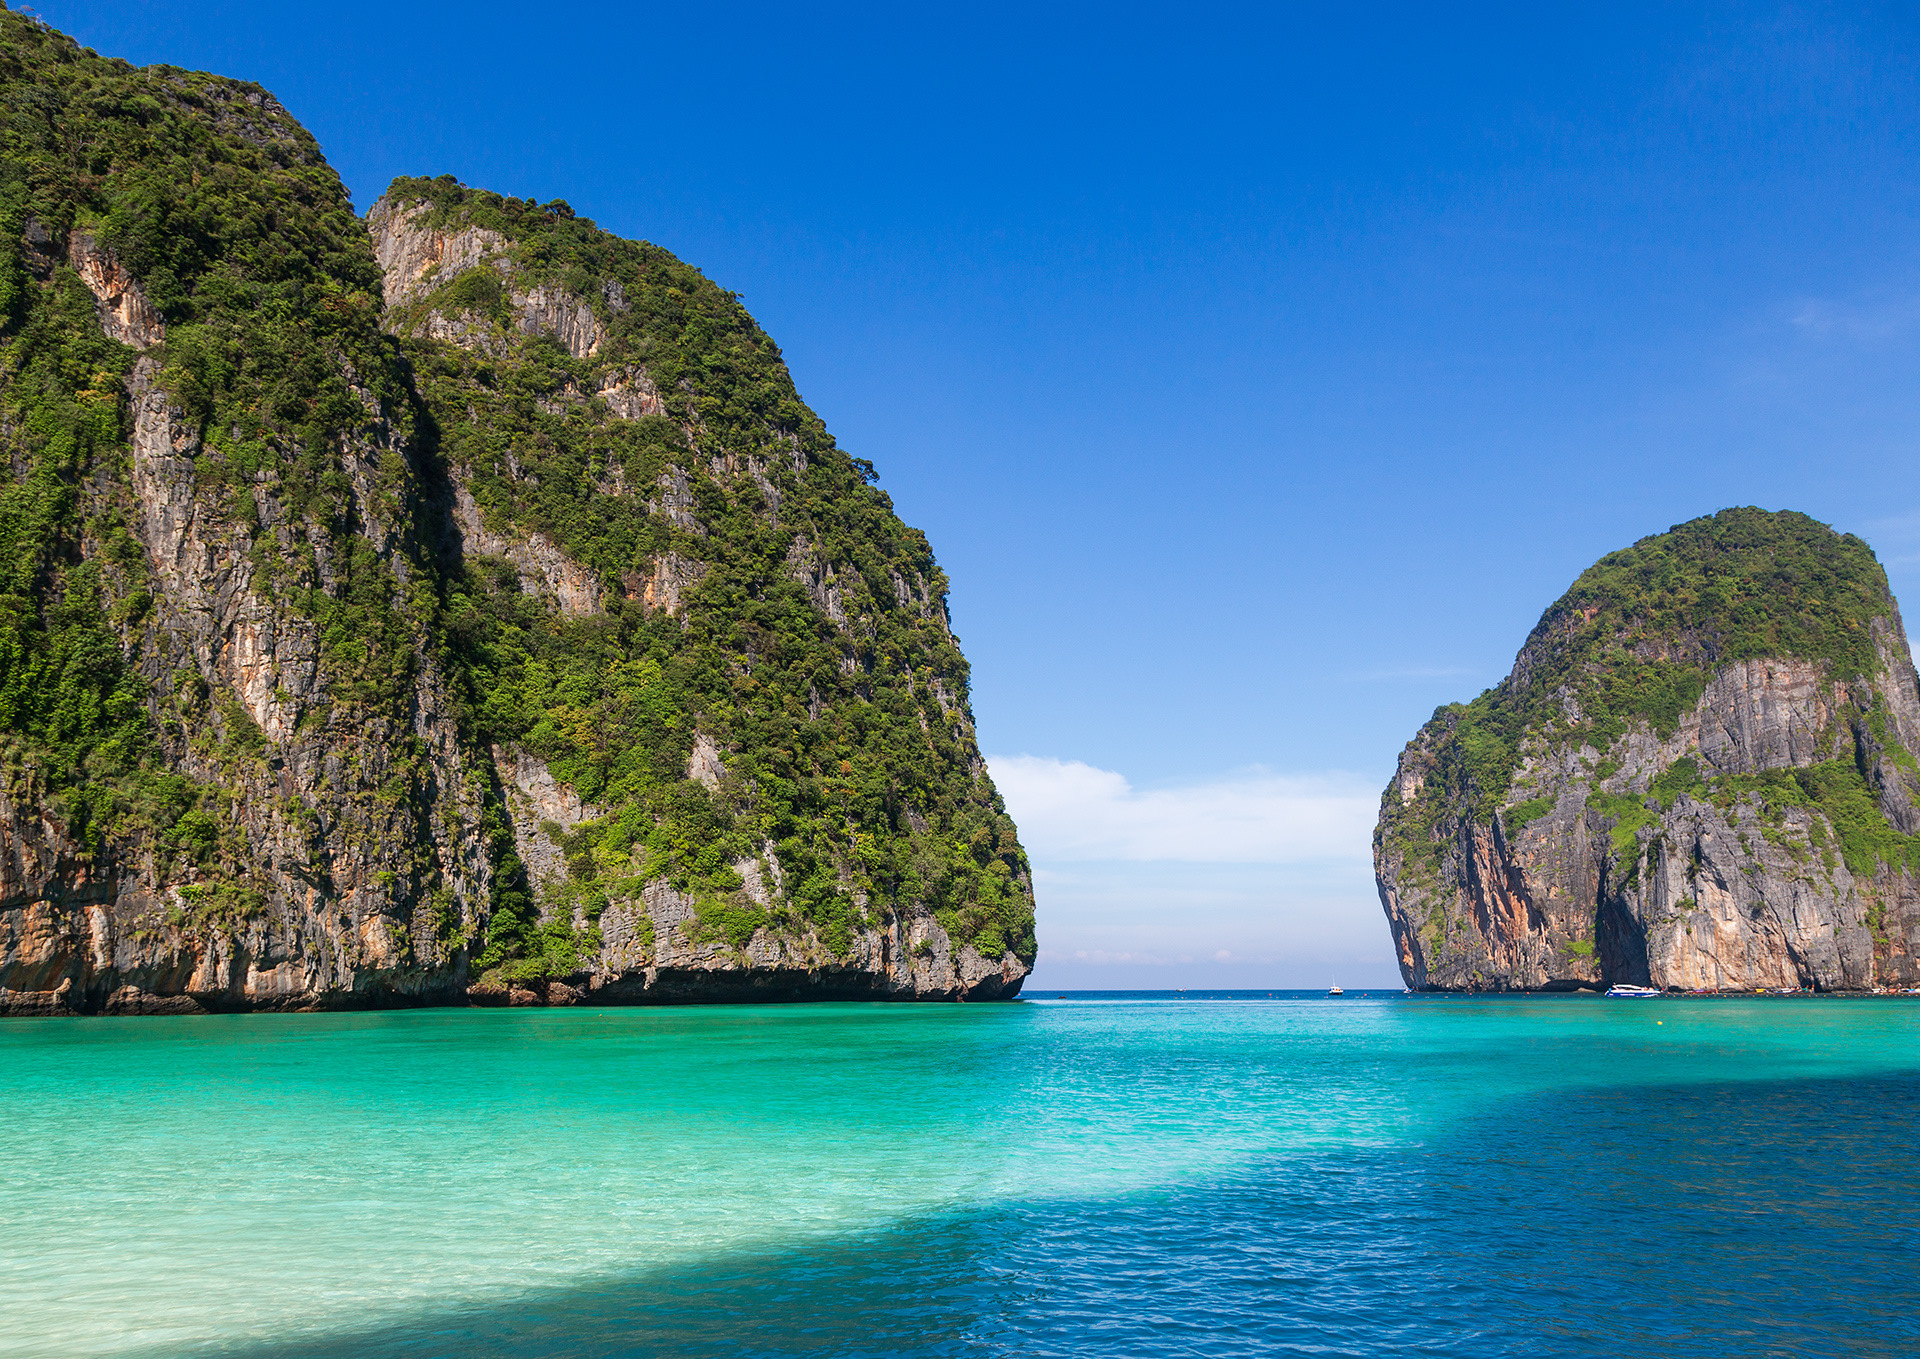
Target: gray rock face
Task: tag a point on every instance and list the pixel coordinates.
(544, 569)
(416, 259)
(630, 394)
(1624, 866)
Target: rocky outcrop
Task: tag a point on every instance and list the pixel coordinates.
(125, 313)
(418, 258)
(569, 320)
(543, 810)
(630, 393)
(1759, 837)
(572, 587)
(667, 585)
(657, 950)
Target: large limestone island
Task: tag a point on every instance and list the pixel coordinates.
(1700, 775)
(452, 605)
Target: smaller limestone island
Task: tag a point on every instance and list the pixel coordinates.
(1700, 775)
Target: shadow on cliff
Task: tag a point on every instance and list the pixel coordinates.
(1765, 1217)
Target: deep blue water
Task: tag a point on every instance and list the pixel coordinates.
(1117, 1176)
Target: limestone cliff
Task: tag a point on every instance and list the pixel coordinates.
(453, 605)
(716, 671)
(1699, 775)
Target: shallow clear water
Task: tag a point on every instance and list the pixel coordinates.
(1554, 1175)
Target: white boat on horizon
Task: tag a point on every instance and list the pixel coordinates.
(1622, 991)
(1335, 991)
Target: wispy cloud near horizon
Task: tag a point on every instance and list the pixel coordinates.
(1068, 810)
(1858, 322)
(1416, 672)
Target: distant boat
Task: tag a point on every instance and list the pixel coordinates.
(1336, 991)
(1621, 991)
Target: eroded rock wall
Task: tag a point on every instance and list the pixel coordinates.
(363, 873)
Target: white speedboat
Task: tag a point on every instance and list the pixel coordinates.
(1335, 991)
(1621, 991)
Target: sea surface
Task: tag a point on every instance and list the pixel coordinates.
(1105, 1174)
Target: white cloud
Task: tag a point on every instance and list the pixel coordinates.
(1069, 810)
(1894, 537)
(1417, 672)
(1862, 323)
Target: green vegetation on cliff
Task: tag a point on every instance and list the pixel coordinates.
(244, 242)
(846, 745)
(1642, 631)
(1835, 789)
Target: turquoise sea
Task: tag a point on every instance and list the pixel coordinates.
(1234, 1175)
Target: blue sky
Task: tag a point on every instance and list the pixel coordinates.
(1259, 374)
